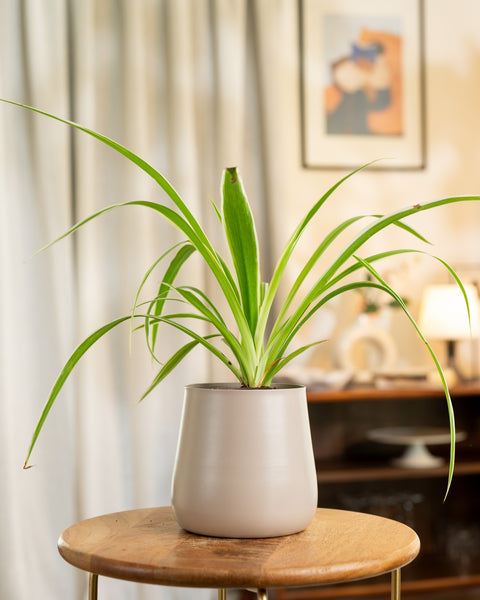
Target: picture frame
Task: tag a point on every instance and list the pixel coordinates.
(362, 91)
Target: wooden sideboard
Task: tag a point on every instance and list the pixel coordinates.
(357, 474)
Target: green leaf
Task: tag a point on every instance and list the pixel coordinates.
(383, 222)
(279, 364)
(373, 258)
(171, 273)
(409, 229)
(250, 302)
(217, 212)
(67, 369)
(171, 320)
(242, 240)
(348, 252)
(212, 318)
(206, 300)
(229, 277)
(171, 363)
(147, 275)
(131, 156)
(321, 248)
(278, 343)
(186, 223)
(451, 414)
(286, 254)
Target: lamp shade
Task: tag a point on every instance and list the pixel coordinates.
(443, 313)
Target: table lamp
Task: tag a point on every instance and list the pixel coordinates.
(444, 316)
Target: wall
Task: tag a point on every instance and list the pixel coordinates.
(452, 84)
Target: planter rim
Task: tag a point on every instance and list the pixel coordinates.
(237, 387)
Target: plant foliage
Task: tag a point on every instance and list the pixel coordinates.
(253, 353)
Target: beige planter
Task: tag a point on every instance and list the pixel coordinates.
(244, 464)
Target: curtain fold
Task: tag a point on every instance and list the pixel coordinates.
(177, 82)
(36, 301)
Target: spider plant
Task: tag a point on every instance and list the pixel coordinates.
(251, 351)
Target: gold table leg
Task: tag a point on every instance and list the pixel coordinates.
(262, 594)
(93, 586)
(396, 579)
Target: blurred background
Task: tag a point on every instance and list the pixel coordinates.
(193, 86)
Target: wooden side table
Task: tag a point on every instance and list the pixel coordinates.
(148, 546)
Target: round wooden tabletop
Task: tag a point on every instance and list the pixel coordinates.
(148, 546)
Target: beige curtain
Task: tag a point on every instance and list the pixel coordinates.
(178, 81)
(36, 303)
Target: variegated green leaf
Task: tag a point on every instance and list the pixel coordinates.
(242, 240)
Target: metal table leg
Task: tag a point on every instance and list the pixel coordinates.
(396, 579)
(93, 586)
(262, 593)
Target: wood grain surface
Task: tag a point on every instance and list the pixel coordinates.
(148, 546)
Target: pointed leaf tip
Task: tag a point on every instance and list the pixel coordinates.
(232, 171)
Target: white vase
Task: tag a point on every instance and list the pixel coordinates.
(244, 466)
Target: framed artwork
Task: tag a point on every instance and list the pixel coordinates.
(362, 83)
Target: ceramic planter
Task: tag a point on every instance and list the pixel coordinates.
(244, 466)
